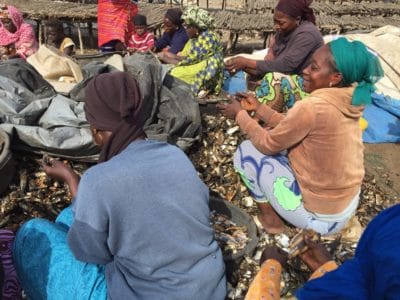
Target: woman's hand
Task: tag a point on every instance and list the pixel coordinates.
(231, 109)
(316, 255)
(248, 101)
(168, 57)
(273, 252)
(57, 170)
(235, 64)
(60, 171)
(130, 51)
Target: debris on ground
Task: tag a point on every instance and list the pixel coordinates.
(32, 194)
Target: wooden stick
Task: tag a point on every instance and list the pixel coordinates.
(91, 37)
(235, 40)
(40, 32)
(80, 38)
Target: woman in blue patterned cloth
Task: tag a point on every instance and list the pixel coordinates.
(200, 63)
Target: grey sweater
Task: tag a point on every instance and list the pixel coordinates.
(293, 52)
(144, 214)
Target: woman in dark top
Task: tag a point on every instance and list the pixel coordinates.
(174, 37)
(290, 50)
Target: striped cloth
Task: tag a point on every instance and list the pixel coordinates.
(141, 43)
(114, 20)
(11, 287)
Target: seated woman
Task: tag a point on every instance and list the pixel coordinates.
(200, 64)
(174, 37)
(17, 38)
(139, 223)
(317, 184)
(290, 51)
(56, 37)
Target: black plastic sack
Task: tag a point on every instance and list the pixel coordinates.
(19, 71)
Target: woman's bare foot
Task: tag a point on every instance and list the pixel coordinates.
(269, 219)
(316, 255)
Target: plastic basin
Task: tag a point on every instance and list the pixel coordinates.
(241, 218)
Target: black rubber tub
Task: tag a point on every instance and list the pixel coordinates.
(7, 165)
(241, 218)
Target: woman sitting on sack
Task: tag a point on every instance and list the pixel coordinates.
(290, 51)
(316, 185)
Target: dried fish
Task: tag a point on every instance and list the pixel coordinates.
(230, 237)
(298, 245)
(39, 196)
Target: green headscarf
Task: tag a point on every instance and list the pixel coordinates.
(357, 64)
(199, 17)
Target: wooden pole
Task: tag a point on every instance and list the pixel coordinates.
(80, 38)
(235, 40)
(39, 32)
(90, 31)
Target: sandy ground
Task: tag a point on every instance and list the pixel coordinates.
(383, 161)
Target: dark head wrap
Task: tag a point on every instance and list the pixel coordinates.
(140, 20)
(174, 15)
(113, 103)
(297, 8)
(357, 64)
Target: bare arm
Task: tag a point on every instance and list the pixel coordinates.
(288, 132)
(58, 170)
(169, 58)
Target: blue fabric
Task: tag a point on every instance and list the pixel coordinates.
(54, 273)
(108, 47)
(143, 215)
(235, 83)
(176, 42)
(373, 273)
(383, 117)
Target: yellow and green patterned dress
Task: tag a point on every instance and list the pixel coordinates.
(202, 66)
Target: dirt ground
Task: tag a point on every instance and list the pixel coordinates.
(383, 161)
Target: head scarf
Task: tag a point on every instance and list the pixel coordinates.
(8, 38)
(174, 15)
(296, 9)
(357, 64)
(113, 103)
(199, 17)
(140, 20)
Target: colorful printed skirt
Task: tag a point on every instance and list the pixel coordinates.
(280, 91)
(271, 179)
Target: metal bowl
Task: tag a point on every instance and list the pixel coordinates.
(241, 218)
